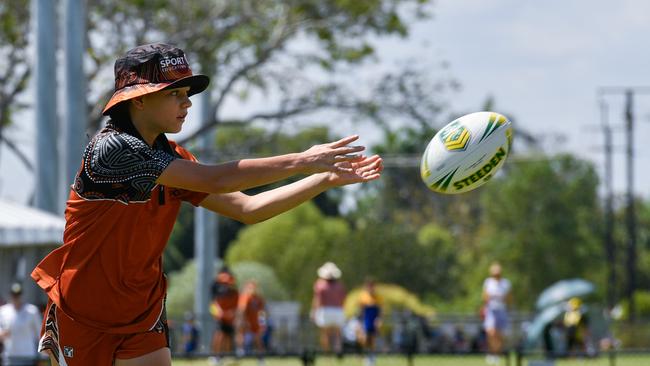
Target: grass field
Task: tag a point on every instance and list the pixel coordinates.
(623, 360)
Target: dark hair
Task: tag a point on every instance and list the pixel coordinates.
(120, 116)
(121, 119)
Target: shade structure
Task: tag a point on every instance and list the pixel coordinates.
(535, 330)
(564, 290)
(22, 226)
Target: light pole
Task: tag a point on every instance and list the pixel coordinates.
(630, 213)
(608, 237)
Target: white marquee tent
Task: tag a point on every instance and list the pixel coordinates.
(27, 234)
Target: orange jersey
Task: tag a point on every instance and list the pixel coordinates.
(108, 275)
(250, 306)
(226, 304)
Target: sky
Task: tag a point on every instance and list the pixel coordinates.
(542, 61)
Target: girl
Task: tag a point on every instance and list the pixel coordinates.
(105, 284)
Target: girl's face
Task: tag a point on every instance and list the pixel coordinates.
(166, 110)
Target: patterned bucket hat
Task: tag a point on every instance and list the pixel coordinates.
(150, 68)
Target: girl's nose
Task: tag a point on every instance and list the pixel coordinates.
(187, 102)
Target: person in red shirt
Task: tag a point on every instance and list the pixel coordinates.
(250, 310)
(327, 307)
(224, 309)
(105, 284)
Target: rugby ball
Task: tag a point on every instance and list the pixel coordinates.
(466, 153)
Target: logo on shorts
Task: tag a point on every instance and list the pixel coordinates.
(68, 351)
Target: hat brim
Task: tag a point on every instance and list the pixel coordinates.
(197, 84)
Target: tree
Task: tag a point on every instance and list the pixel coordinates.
(294, 244)
(269, 284)
(15, 69)
(621, 234)
(644, 244)
(541, 221)
(424, 261)
(251, 47)
(180, 246)
(182, 284)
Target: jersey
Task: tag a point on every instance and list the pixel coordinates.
(224, 305)
(108, 274)
(370, 309)
(497, 292)
(329, 293)
(250, 306)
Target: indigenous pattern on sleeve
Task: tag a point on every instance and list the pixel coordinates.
(119, 166)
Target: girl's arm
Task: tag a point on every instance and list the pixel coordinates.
(248, 173)
(253, 209)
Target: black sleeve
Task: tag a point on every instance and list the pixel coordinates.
(120, 167)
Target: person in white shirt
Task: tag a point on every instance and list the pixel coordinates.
(496, 297)
(20, 326)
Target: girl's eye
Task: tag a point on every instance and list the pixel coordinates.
(174, 93)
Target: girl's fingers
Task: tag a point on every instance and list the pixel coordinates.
(343, 166)
(347, 150)
(344, 141)
(348, 157)
(371, 177)
(367, 168)
(368, 162)
(359, 168)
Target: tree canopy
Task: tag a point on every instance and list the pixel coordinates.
(542, 221)
(15, 69)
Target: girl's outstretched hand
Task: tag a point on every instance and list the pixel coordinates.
(335, 156)
(362, 169)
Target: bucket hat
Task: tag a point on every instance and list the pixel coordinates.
(150, 68)
(329, 271)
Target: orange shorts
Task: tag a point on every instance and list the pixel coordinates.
(73, 344)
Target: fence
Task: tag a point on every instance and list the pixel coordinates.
(290, 333)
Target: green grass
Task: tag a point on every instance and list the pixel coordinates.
(625, 360)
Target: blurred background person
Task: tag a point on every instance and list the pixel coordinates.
(576, 324)
(225, 297)
(327, 307)
(190, 334)
(250, 310)
(352, 335)
(496, 297)
(20, 326)
(370, 304)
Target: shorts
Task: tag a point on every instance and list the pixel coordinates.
(73, 344)
(329, 316)
(370, 330)
(226, 328)
(495, 319)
